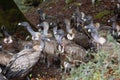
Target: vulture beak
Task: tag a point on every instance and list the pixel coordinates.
(71, 35)
(19, 24)
(8, 40)
(118, 33)
(102, 40)
(36, 36)
(61, 48)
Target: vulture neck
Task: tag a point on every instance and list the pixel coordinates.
(30, 29)
(45, 26)
(68, 26)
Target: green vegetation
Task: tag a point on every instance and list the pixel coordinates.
(102, 14)
(68, 1)
(10, 15)
(21, 5)
(25, 5)
(95, 2)
(105, 65)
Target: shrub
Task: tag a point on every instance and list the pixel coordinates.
(105, 66)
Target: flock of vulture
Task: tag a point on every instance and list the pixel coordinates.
(63, 43)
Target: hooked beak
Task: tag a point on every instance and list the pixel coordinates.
(19, 24)
(70, 36)
(38, 25)
(8, 40)
(89, 30)
(102, 40)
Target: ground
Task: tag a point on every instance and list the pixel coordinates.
(61, 8)
(101, 12)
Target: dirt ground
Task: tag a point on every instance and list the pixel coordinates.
(59, 7)
(56, 7)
